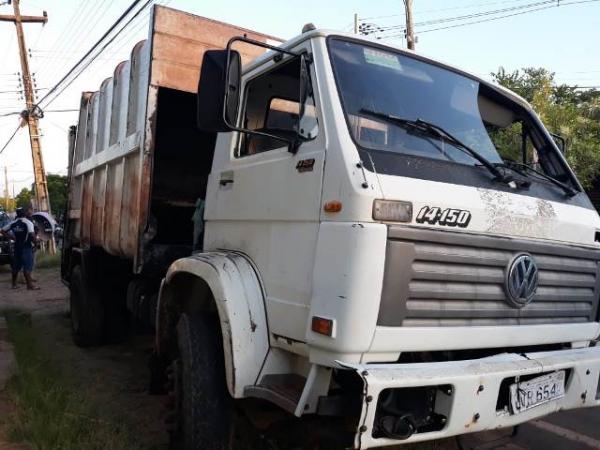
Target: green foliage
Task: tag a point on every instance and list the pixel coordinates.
(49, 414)
(57, 191)
(23, 198)
(45, 260)
(566, 111)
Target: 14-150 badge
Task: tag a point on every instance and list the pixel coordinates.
(449, 217)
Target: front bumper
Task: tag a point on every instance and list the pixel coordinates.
(472, 404)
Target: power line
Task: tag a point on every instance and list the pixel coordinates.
(21, 90)
(91, 50)
(475, 15)
(10, 139)
(472, 5)
(550, 3)
(67, 32)
(509, 15)
(86, 28)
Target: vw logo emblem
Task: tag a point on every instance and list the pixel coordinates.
(521, 280)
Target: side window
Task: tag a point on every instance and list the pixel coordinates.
(272, 106)
(514, 143)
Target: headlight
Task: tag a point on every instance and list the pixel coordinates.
(392, 211)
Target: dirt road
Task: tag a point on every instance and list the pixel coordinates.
(115, 379)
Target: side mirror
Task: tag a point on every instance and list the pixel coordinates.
(218, 91)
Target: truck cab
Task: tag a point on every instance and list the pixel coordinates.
(408, 220)
(386, 247)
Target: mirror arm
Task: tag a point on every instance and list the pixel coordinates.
(563, 142)
(259, 44)
(247, 40)
(293, 144)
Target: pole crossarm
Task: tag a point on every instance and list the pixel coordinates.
(31, 116)
(24, 19)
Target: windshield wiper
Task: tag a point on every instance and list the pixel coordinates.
(437, 131)
(568, 189)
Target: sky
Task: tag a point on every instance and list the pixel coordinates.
(562, 38)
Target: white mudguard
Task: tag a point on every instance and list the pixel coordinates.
(239, 300)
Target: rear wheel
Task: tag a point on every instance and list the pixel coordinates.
(87, 313)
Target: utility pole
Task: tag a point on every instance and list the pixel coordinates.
(410, 33)
(5, 188)
(355, 23)
(31, 115)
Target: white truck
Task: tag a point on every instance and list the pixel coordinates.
(386, 247)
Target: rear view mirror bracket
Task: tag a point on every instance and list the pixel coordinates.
(218, 108)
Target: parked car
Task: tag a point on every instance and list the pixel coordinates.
(5, 243)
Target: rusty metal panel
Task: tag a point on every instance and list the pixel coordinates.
(112, 215)
(105, 100)
(97, 219)
(86, 207)
(112, 165)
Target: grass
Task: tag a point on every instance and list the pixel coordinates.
(50, 414)
(45, 260)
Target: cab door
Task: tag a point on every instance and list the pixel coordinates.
(264, 200)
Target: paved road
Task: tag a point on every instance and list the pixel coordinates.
(572, 430)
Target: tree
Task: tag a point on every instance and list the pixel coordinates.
(57, 191)
(23, 198)
(565, 110)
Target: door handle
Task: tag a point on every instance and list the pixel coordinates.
(226, 178)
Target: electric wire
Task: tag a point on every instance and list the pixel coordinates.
(509, 15)
(64, 79)
(474, 15)
(66, 36)
(10, 139)
(86, 28)
(123, 38)
(417, 13)
(548, 5)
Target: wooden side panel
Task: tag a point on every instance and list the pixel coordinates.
(180, 40)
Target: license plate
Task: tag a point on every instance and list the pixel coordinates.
(537, 391)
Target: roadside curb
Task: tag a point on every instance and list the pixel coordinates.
(7, 359)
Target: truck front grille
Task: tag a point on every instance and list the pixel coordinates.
(443, 278)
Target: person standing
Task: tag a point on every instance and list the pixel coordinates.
(22, 231)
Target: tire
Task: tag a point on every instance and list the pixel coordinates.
(87, 313)
(204, 409)
(117, 324)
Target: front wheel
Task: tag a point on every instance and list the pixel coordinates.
(204, 410)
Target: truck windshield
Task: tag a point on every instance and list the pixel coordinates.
(382, 90)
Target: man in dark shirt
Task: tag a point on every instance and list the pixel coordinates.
(21, 230)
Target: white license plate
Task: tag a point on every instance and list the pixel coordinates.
(537, 391)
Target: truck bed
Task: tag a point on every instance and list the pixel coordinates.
(137, 164)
